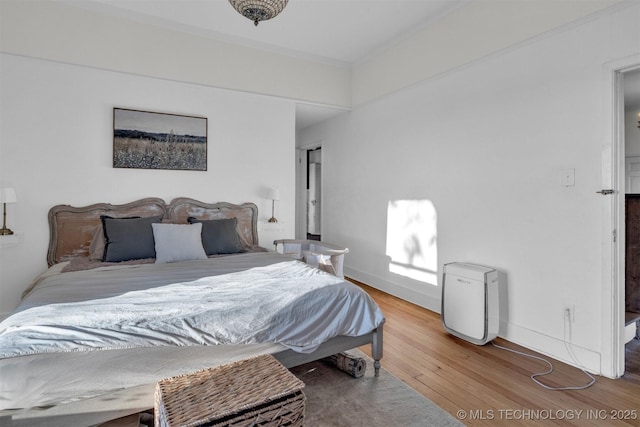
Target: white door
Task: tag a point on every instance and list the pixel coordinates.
(632, 174)
(313, 199)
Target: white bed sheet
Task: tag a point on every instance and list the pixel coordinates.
(55, 379)
(31, 368)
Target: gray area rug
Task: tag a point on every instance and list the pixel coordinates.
(335, 398)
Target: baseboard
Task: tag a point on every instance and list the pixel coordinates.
(546, 345)
(553, 347)
(395, 289)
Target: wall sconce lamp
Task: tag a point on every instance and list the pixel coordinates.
(274, 195)
(7, 195)
(638, 120)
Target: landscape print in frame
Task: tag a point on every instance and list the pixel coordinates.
(149, 140)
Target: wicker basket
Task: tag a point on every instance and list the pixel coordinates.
(252, 392)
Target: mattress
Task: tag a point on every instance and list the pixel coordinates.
(83, 334)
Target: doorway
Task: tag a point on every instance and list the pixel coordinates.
(631, 191)
(314, 193)
(309, 192)
(613, 212)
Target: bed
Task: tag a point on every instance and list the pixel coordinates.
(95, 332)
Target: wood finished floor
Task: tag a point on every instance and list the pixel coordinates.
(492, 387)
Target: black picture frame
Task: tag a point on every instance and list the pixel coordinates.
(153, 140)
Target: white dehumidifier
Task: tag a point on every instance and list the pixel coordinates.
(470, 302)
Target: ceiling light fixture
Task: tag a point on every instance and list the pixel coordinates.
(258, 10)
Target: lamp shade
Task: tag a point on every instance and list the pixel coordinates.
(274, 194)
(7, 195)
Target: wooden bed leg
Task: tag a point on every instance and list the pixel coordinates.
(376, 349)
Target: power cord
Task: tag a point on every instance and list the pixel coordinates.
(535, 376)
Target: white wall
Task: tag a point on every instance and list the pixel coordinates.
(59, 31)
(56, 148)
(76, 33)
(486, 145)
(469, 32)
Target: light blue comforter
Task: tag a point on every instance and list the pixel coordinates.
(241, 299)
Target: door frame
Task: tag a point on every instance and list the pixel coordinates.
(613, 230)
(301, 188)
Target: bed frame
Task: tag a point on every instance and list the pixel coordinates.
(71, 228)
(71, 231)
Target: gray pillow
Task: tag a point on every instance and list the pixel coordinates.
(219, 236)
(128, 238)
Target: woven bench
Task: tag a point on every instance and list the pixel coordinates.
(252, 392)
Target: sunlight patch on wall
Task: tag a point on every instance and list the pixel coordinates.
(411, 240)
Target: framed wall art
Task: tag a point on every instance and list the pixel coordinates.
(148, 140)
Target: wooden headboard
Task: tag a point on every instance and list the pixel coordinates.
(72, 228)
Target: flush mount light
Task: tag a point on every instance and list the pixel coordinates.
(258, 10)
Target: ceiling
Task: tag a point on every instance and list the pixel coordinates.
(343, 32)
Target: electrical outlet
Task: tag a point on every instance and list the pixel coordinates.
(569, 312)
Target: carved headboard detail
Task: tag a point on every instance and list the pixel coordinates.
(71, 229)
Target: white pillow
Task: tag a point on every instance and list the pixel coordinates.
(178, 242)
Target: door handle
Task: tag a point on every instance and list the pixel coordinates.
(605, 192)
